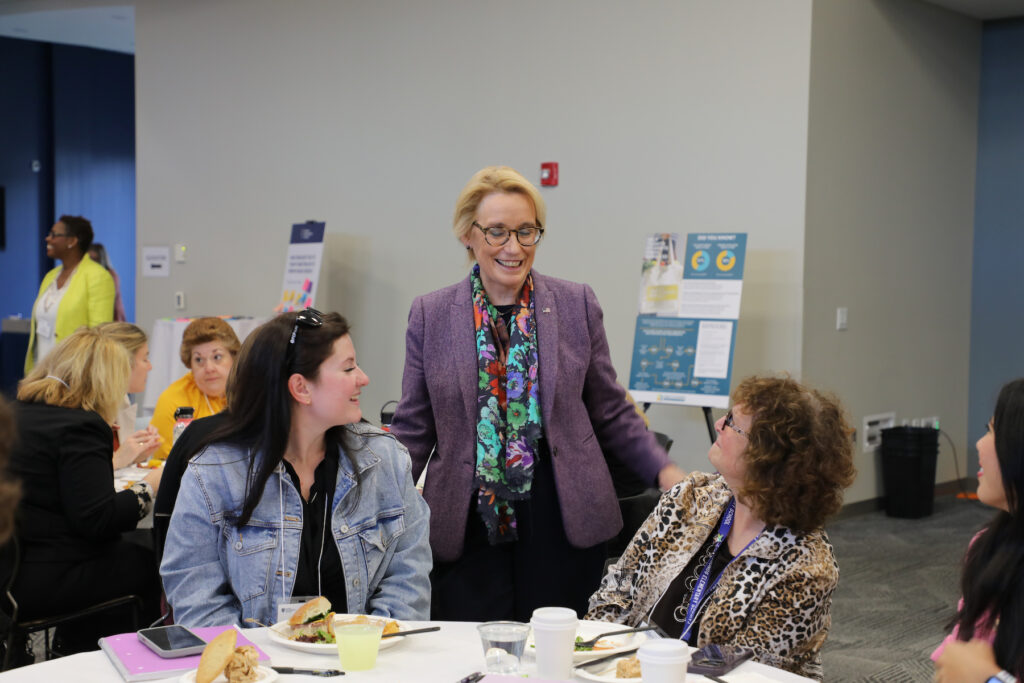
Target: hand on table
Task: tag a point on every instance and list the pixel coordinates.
(137, 447)
(970, 662)
(153, 478)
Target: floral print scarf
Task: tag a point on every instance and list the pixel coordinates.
(508, 424)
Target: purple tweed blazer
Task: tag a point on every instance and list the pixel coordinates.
(584, 411)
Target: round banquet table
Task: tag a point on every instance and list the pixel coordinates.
(164, 353)
(445, 656)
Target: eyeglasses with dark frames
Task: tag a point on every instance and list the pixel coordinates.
(496, 236)
(309, 318)
(53, 234)
(731, 424)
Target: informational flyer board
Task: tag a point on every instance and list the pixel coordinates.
(686, 331)
(302, 267)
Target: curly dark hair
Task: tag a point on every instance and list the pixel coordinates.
(799, 458)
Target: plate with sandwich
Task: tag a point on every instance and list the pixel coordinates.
(222, 662)
(311, 628)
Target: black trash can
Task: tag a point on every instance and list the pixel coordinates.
(909, 455)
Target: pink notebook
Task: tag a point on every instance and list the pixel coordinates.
(136, 662)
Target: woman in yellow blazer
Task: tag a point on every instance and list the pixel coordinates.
(78, 292)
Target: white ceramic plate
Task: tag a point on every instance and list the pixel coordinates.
(591, 629)
(604, 673)
(278, 631)
(263, 675)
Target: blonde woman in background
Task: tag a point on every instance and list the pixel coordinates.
(131, 445)
(208, 350)
(70, 518)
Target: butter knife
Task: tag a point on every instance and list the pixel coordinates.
(322, 673)
(606, 658)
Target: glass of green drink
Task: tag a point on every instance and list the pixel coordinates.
(358, 643)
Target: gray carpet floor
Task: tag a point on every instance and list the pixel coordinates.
(898, 588)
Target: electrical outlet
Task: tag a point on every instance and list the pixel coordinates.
(179, 301)
(872, 432)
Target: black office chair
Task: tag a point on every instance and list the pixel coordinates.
(635, 509)
(636, 502)
(19, 631)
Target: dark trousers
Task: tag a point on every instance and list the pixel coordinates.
(510, 580)
(45, 589)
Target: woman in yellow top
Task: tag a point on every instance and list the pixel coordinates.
(78, 292)
(208, 350)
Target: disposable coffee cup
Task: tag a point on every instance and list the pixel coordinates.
(554, 636)
(663, 660)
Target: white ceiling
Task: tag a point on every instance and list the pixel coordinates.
(106, 28)
(113, 28)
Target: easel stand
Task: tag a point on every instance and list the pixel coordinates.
(708, 420)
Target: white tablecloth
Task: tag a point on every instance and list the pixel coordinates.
(164, 353)
(442, 657)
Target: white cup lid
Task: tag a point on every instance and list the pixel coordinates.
(664, 650)
(554, 617)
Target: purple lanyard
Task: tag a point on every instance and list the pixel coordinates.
(699, 590)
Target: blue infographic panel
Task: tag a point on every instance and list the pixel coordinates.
(682, 360)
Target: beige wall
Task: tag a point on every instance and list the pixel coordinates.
(890, 202)
(681, 116)
(845, 148)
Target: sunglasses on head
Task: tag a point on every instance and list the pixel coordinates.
(309, 318)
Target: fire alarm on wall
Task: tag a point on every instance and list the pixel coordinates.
(549, 173)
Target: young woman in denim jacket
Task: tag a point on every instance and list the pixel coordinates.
(293, 495)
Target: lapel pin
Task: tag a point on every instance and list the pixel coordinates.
(546, 310)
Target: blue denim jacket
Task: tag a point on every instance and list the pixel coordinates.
(215, 573)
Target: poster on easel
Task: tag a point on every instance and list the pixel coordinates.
(302, 267)
(686, 330)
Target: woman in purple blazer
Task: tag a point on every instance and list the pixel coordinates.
(509, 384)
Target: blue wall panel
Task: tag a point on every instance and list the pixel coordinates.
(997, 293)
(94, 150)
(24, 138)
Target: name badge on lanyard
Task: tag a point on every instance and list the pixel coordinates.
(702, 587)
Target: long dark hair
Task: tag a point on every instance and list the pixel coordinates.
(259, 412)
(991, 585)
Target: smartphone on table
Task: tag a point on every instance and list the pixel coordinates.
(717, 659)
(172, 641)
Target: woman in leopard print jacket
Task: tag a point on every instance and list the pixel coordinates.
(750, 534)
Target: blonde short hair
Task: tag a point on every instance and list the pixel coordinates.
(89, 370)
(128, 335)
(488, 181)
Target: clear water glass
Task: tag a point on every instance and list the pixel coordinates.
(503, 643)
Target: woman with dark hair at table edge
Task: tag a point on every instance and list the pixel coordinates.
(292, 488)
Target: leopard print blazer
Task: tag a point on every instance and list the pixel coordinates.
(775, 599)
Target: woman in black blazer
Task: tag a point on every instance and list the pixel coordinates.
(70, 518)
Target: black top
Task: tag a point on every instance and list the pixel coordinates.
(670, 612)
(507, 312)
(184, 448)
(318, 553)
(69, 510)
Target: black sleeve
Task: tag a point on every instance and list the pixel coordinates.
(85, 477)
